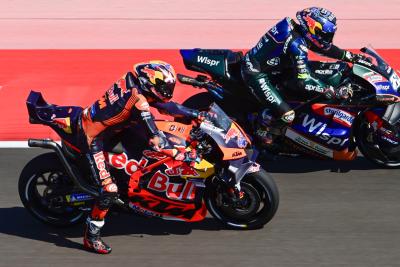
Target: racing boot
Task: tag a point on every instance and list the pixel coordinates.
(272, 128)
(92, 240)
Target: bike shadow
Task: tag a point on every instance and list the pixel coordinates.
(16, 221)
(305, 165)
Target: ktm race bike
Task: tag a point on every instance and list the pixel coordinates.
(57, 187)
(327, 129)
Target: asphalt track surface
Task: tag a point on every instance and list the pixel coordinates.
(330, 214)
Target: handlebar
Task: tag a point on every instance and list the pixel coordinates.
(190, 81)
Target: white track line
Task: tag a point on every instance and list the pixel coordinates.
(16, 144)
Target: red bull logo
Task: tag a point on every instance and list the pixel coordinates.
(232, 133)
(160, 182)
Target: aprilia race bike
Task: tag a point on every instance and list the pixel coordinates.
(324, 129)
(57, 187)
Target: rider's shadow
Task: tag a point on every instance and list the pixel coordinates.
(16, 221)
(305, 165)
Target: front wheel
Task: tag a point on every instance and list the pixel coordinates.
(259, 200)
(44, 188)
(375, 148)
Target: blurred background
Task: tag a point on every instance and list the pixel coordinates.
(72, 51)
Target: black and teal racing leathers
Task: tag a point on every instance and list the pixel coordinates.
(283, 48)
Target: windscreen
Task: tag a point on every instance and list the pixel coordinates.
(383, 68)
(220, 119)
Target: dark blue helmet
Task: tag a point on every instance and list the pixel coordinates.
(318, 25)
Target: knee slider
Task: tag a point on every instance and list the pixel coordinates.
(289, 116)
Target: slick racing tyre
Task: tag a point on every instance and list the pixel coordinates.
(377, 152)
(258, 205)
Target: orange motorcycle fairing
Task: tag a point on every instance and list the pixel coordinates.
(145, 202)
(177, 129)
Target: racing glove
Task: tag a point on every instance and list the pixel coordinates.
(342, 92)
(205, 116)
(353, 58)
(158, 142)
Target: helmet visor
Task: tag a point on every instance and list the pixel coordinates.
(164, 90)
(324, 37)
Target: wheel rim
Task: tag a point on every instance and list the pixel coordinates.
(256, 202)
(45, 192)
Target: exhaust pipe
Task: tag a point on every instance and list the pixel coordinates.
(50, 144)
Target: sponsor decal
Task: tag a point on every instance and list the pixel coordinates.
(340, 116)
(175, 128)
(274, 61)
(154, 154)
(308, 143)
(143, 211)
(304, 48)
(383, 87)
(112, 97)
(267, 90)
(324, 72)
(261, 133)
(285, 46)
(318, 129)
(102, 102)
(373, 77)
(232, 133)
(315, 88)
(363, 62)
(334, 66)
(241, 142)
(121, 161)
(237, 154)
(260, 44)
(160, 183)
(101, 165)
(182, 170)
(207, 61)
(78, 197)
(274, 30)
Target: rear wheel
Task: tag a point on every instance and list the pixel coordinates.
(43, 188)
(259, 200)
(374, 148)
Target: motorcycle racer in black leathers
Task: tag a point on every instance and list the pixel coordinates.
(285, 47)
(127, 101)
